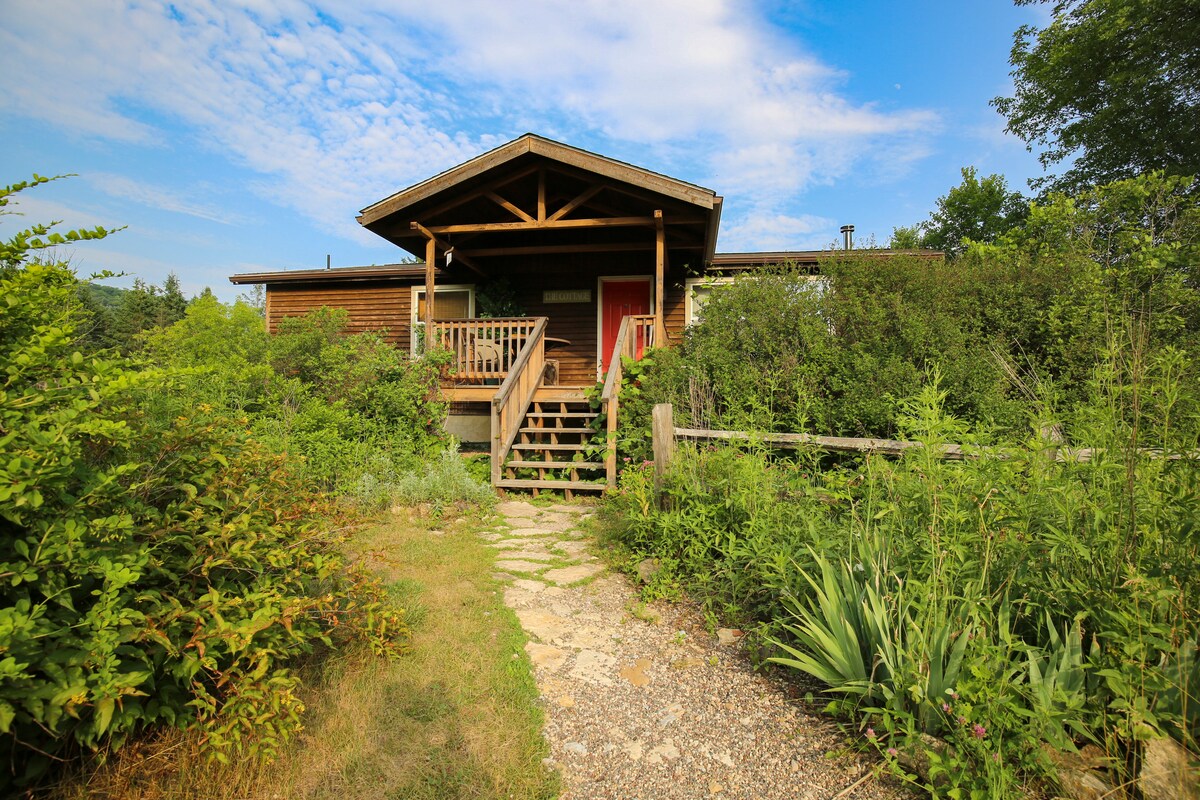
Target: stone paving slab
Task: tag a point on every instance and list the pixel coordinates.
(579, 572)
(519, 566)
(527, 555)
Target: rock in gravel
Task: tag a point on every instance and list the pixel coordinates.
(727, 637)
(636, 673)
(647, 568)
(1168, 773)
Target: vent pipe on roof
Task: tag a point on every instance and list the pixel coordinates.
(327, 261)
(848, 237)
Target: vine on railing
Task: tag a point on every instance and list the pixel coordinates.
(634, 337)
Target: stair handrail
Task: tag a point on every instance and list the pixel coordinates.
(626, 345)
(516, 393)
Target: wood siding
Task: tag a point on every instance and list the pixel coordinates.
(382, 306)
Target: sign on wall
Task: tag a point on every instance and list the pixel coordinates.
(567, 296)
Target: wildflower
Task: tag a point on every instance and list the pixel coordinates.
(962, 720)
(946, 708)
(978, 731)
(953, 695)
(996, 757)
(871, 734)
(893, 752)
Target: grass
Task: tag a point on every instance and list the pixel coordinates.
(456, 717)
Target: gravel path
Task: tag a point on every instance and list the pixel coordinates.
(643, 702)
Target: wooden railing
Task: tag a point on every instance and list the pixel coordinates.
(484, 349)
(634, 337)
(516, 392)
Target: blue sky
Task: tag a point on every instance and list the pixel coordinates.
(235, 136)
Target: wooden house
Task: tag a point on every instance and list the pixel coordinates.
(598, 257)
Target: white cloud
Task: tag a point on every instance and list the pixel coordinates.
(157, 197)
(337, 106)
(765, 230)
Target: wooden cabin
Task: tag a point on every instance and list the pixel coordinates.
(597, 258)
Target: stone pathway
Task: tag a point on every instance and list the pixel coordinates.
(641, 702)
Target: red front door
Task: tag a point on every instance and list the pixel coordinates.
(619, 299)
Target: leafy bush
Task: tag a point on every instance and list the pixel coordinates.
(159, 565)
(338, 403)
(955, 598)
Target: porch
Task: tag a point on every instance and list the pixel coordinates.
(543, 436)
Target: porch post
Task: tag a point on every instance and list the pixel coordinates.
(430, 257)
(660, 258)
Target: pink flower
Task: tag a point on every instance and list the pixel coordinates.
(946, 707)
(871, 734)
(962, 720)
(978, 731)
(893, 752)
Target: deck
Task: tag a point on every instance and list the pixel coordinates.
(543, 436)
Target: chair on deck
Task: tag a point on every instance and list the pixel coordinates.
(487, 355)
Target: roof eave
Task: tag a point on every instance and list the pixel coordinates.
(547, 148)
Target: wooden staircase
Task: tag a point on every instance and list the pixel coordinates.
(556, 447)
(543, 436)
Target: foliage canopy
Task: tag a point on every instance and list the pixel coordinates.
(1113, 85)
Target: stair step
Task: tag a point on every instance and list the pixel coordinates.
(544, 446)
(555, 464)
(572, 431)
(514, 483)
(562, 414)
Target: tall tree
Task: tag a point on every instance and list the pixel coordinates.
(1112, 84)
(978, 209)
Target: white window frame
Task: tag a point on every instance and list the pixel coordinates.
(414, 303)
(689, 292)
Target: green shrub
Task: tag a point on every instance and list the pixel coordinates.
(997, 602)
(336, 403)
(159, 566)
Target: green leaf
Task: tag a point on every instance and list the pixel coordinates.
(104, 711)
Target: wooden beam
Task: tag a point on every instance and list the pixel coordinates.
(466, 260)
(558, 224)
(575, 203)
(477, 193)
(430, 289)
(541, 208)
(660, 257)
(507, 206)
(549, 249)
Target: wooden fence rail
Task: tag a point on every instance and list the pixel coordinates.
(665, 434)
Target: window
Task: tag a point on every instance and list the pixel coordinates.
(453, 301)
(696, 294)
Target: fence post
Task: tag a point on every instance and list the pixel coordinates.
(662, 431)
